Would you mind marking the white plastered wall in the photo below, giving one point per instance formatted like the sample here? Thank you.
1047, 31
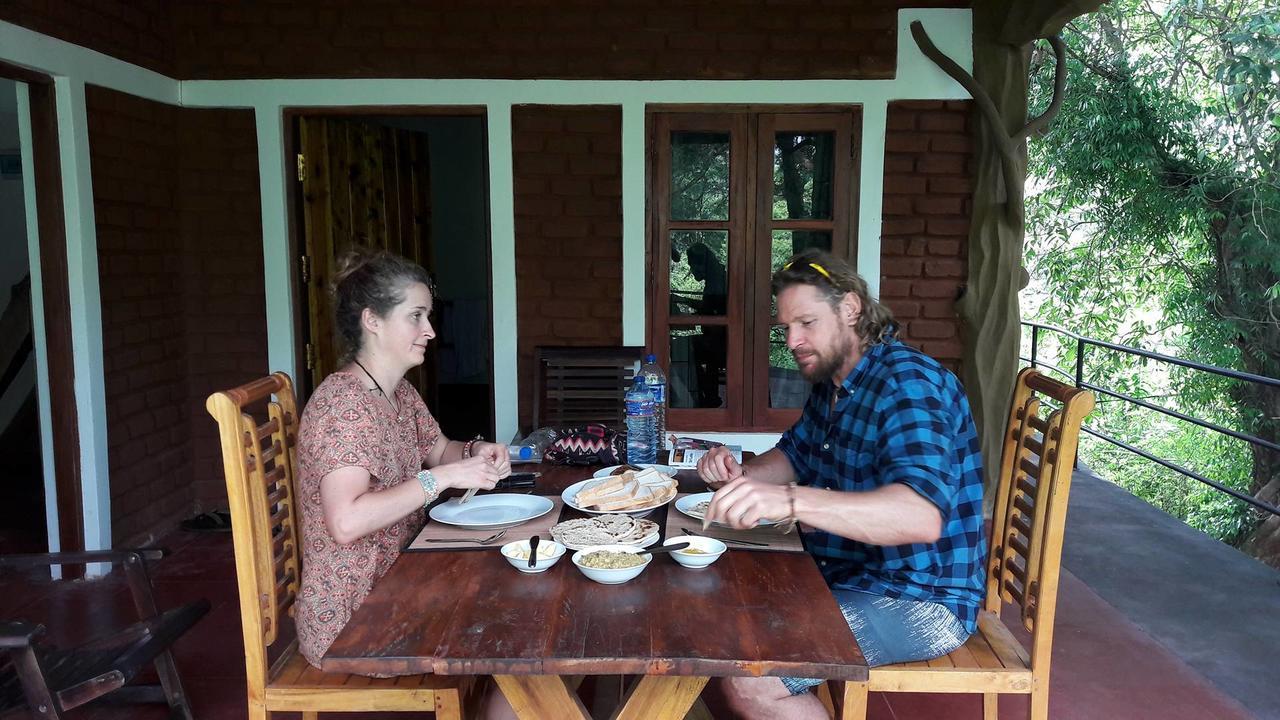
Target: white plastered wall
73, 67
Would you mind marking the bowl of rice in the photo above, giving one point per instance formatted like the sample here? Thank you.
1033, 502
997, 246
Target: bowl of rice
611, 564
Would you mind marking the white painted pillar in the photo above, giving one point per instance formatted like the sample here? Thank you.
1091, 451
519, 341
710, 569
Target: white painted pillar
273, 174
502, 239
634, 272
43, 410
871, 193
86, 310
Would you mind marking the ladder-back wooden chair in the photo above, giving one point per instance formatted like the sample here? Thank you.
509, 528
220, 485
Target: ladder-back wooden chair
1022, 569
579, 385
259, 459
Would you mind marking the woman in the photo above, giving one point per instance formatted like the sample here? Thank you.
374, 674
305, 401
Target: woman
364, 441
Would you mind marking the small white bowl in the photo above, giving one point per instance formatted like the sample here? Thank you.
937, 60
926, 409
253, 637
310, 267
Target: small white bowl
711, 549
612, 577
510, 550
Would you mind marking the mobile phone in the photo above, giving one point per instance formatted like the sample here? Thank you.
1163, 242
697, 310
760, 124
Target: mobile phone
519, 480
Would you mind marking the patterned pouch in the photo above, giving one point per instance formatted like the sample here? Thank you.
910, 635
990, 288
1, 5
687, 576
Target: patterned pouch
588, 445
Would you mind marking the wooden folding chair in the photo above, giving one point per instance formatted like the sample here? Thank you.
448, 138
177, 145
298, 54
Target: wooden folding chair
579, 385
51, 681
1025, 558
259, 459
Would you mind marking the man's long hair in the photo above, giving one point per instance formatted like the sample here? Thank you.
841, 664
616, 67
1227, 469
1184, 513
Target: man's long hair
834, 278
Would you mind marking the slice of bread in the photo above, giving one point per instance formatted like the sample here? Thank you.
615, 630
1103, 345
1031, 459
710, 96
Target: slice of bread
622, 487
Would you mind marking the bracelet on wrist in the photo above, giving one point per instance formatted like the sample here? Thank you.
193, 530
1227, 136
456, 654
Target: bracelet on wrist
430, 490
791, 502
468, 445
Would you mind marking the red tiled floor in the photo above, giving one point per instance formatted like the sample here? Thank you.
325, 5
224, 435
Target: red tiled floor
1104, 665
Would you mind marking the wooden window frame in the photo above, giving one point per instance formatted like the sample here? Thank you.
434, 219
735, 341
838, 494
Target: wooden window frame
748, 319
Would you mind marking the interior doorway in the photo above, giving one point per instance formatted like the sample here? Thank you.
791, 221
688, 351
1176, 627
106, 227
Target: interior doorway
23, 525
416, 185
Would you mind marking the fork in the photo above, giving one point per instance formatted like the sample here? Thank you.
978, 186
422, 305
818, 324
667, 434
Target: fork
482, 541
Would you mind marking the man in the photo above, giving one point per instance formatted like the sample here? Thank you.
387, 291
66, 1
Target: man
883, 464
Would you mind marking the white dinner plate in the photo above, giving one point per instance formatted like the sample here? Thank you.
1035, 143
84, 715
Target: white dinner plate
490, 512
685, 505
664, 469
570, 496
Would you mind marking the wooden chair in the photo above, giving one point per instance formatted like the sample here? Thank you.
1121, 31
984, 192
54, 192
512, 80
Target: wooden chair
259, 459
1022, 569
50, 681
579, 385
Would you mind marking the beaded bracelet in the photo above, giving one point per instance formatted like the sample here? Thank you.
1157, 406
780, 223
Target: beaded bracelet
429, 488
791, 516
466, 447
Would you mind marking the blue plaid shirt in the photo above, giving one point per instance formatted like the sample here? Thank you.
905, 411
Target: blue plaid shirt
899, 417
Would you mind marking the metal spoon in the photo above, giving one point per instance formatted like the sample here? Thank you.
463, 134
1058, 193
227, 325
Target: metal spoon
482, 541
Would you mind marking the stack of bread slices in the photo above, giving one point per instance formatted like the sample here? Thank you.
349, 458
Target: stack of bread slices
631, 490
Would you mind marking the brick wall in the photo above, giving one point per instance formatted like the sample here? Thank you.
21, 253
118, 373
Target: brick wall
541, 38
708, 39
136, 31
568, 207
133, 144
927, 206
224, 303
180, 271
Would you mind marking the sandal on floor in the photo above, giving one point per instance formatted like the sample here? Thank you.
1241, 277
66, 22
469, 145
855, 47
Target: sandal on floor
214, 521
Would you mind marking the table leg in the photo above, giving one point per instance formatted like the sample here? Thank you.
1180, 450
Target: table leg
661, 697
535, 697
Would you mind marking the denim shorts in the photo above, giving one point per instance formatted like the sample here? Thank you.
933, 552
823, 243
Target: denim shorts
893, 630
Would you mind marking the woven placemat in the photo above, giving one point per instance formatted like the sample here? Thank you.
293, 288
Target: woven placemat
771, 535
455, 537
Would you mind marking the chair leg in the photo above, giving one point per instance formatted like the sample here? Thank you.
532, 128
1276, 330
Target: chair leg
179, 705
826, 695
990, 706
1040, 703
448, 705
258, 711
311, 715
855, 701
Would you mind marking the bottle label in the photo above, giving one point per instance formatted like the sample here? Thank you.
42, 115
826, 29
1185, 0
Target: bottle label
639, 408
659, 391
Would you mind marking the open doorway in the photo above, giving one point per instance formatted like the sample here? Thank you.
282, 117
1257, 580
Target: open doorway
23, 526
416, 185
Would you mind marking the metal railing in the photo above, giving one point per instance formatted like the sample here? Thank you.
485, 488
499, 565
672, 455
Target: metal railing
1083, 344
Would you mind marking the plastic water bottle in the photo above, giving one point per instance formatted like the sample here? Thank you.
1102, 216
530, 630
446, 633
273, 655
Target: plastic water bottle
641, 447
530, 449
656, 380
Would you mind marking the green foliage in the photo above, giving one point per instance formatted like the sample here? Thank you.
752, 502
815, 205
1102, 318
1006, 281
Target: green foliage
1153, 219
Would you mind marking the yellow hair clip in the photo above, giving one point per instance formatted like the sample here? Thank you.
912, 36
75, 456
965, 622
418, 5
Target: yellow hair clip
821, 270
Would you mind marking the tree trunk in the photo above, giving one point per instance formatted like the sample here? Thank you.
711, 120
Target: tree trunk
1003, 34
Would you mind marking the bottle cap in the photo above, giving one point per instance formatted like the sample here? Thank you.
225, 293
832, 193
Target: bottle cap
526, 453
650, 358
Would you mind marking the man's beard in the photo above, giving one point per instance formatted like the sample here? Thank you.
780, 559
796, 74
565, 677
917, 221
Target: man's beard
827, 365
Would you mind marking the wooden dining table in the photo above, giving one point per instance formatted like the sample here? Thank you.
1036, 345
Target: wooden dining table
469, 612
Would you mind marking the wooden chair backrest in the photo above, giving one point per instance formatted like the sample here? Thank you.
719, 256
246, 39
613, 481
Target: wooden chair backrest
259, 458
1030, 511
579, 385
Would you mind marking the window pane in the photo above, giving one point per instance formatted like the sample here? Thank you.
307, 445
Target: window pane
787, 243
802, 164
698, 366
787, 388
699, 176
699, 280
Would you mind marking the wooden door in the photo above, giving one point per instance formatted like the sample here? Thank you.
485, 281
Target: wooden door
365, 185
